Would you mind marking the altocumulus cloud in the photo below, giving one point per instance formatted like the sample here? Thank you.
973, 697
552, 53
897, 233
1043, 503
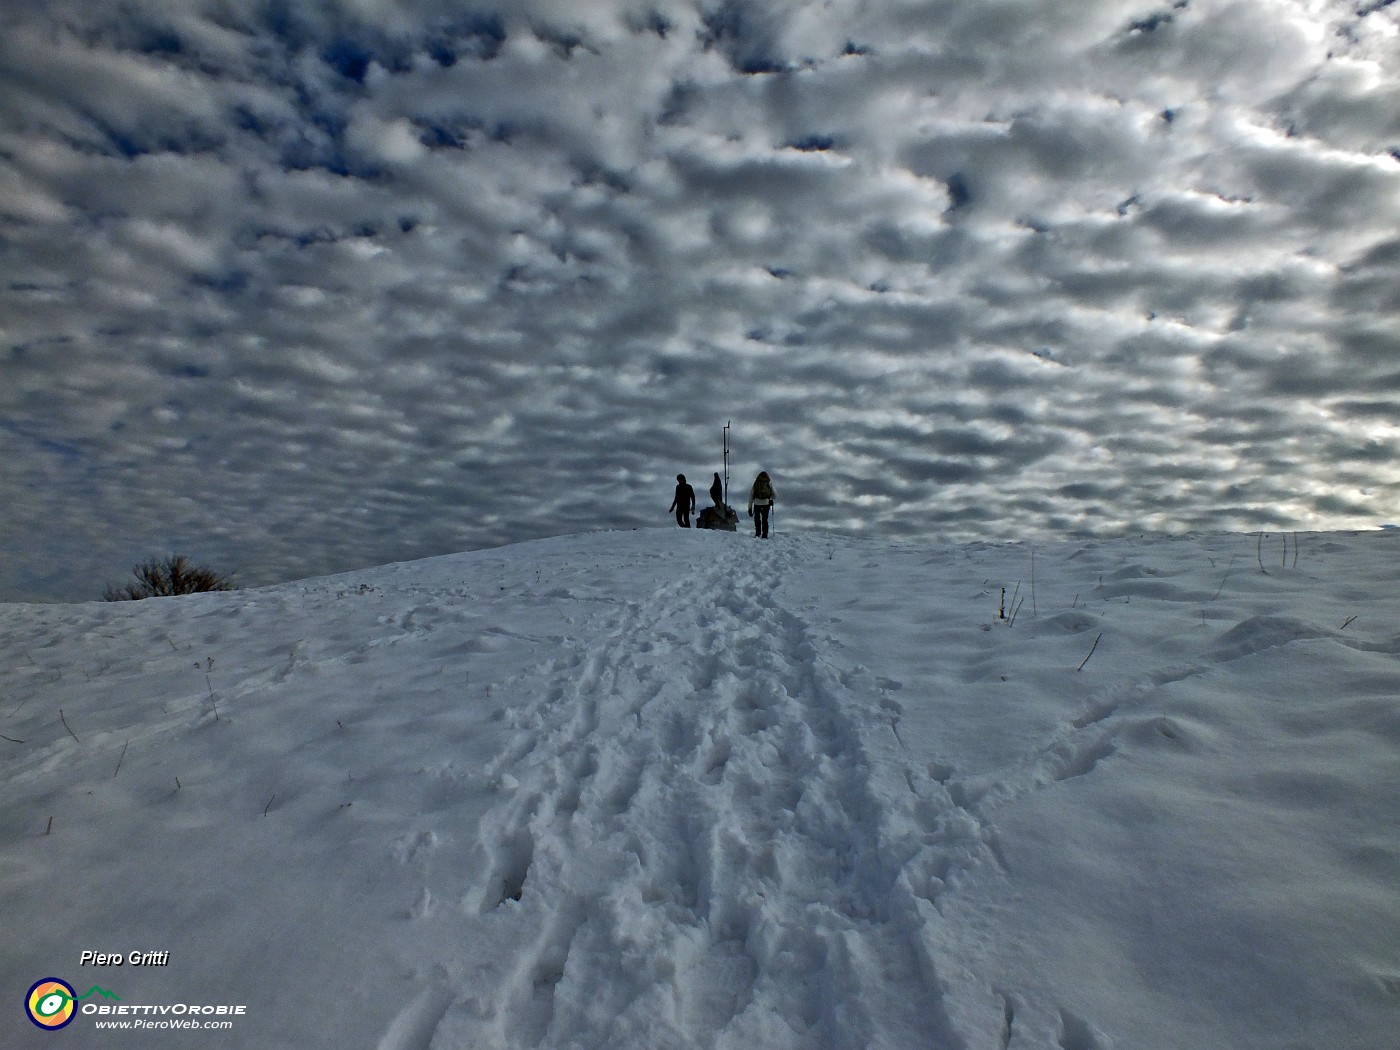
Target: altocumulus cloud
298, 287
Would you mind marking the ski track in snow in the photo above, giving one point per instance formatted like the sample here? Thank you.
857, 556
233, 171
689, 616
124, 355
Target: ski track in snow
702, 783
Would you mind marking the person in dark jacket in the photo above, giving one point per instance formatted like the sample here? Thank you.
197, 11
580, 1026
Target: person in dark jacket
760, 503
684, 502
717, 491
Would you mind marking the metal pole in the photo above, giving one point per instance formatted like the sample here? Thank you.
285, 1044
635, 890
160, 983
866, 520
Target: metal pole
726, 463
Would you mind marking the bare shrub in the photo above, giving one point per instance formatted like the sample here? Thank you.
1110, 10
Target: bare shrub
160, 578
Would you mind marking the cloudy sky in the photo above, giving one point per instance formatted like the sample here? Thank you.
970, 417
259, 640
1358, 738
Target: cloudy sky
294, 287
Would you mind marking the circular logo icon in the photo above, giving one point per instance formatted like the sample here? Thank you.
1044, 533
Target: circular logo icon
50, 1003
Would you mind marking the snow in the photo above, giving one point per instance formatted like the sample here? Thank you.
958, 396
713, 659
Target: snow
667, 788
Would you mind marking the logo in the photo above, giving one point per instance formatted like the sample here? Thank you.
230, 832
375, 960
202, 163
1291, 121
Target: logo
51, 1003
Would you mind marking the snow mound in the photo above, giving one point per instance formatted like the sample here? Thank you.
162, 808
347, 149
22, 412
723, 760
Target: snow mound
662, 788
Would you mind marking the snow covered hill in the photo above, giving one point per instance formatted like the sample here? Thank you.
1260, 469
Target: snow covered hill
662, 789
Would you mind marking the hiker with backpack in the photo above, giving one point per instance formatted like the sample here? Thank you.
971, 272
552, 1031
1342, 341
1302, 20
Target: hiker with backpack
761, 500
684, 502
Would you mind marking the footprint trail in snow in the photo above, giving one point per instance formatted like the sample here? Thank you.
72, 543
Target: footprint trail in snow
695, 799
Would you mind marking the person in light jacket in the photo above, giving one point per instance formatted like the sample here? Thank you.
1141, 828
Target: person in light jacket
761, 503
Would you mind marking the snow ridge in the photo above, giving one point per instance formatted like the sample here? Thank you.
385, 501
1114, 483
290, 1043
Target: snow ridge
689, 790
